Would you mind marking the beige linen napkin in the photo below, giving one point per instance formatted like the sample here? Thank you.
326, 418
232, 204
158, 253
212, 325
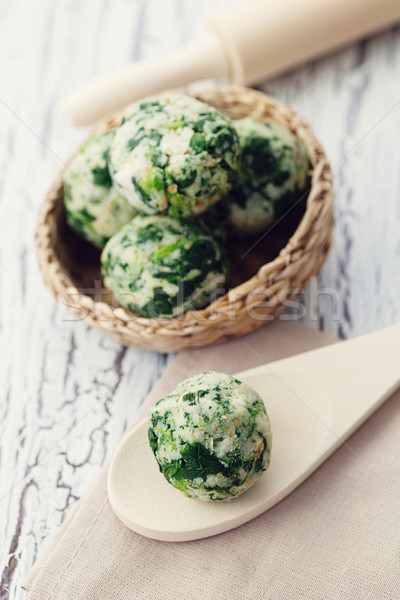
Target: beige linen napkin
336, 537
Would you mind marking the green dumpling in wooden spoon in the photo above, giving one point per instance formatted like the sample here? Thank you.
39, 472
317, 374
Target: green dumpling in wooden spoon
211, 436
315, 401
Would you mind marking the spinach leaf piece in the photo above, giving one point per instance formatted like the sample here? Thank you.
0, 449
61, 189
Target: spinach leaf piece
196, 461
149, 233
153, 440
133, 142
190, 398
198, 143
160, 304
101, 176
145, 196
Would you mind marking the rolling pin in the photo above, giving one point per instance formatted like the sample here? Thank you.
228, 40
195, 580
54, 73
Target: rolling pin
244, 43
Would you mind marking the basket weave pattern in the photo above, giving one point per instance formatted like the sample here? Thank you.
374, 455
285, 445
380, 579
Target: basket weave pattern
252, 303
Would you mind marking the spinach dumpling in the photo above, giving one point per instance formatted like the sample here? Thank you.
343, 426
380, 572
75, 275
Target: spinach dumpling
174, 154
211, 436
273, 169
94, 208
157, 266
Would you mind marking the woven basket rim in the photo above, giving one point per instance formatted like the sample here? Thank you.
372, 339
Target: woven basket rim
61, 284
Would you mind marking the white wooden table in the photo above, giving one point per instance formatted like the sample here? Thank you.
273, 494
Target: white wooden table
67, 392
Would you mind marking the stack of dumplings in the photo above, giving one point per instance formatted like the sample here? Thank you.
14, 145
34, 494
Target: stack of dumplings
161, 193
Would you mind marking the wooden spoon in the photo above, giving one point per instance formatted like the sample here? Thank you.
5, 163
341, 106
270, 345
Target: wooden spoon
315, 401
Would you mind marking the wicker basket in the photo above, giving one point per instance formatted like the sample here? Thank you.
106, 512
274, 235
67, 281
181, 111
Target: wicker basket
266, 274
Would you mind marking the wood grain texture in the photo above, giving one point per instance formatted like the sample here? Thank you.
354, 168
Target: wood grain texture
68, 392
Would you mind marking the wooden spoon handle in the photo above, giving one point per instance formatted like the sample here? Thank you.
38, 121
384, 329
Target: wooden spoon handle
358, 375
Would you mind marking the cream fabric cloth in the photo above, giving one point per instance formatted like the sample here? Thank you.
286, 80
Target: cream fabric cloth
336, 537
